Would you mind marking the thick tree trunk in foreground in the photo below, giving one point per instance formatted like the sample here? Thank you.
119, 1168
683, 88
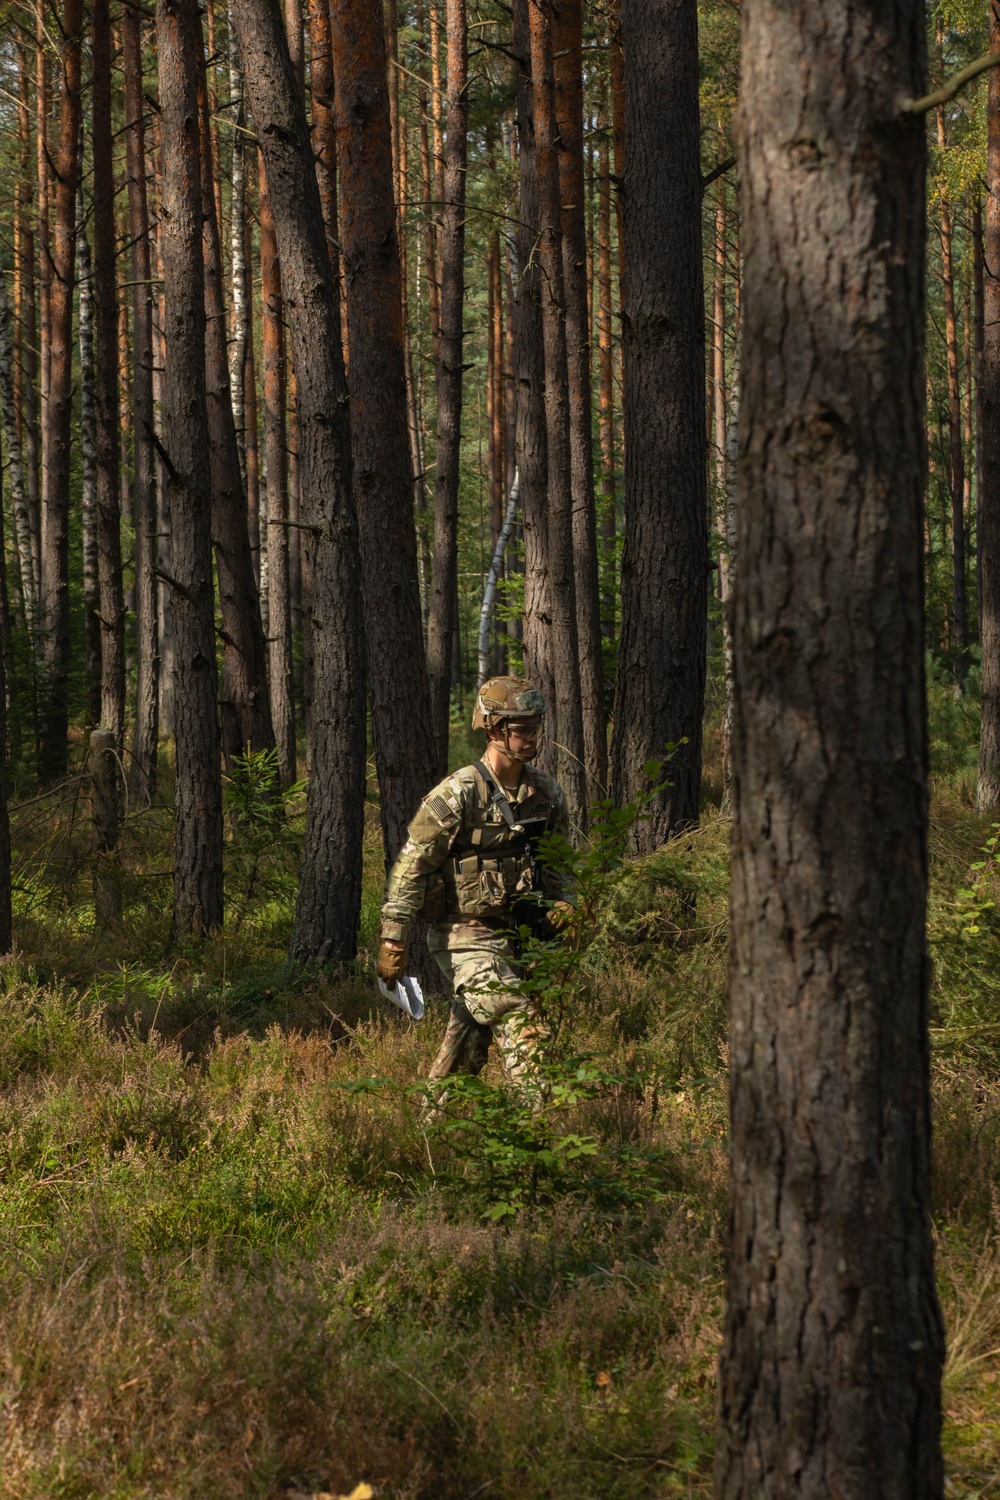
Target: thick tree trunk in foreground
405, 758
567, 40
660, 686
107, 427
329, 900
198, 798
279, 599
57, 418
562, 591
988, 796
142, 770
830, 1375
444, 577
245, 706
530, 447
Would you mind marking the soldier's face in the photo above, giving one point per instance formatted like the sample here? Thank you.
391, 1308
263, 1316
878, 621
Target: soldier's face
523, 737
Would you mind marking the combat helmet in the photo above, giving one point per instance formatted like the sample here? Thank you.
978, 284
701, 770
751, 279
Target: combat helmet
502, 698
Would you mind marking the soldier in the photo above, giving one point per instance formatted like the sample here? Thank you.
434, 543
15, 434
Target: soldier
468, 865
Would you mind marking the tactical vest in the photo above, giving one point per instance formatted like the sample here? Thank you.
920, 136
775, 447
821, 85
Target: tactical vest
493, 865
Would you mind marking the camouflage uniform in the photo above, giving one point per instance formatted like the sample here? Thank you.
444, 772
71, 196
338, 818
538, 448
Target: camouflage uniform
463, 868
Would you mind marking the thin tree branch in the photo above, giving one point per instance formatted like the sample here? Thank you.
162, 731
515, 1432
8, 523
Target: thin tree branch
717, 172
950, 89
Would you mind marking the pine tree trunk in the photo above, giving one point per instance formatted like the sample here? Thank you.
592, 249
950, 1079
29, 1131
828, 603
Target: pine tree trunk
43, 104
20, 505
198, 797
250, 408
444, 575
831, 1364
107, 427
245, 705
6, 921
26, 311
329, 899
956, 478
567, 40
237, 262
660, 685
719, 383
977, 367
405, 757
605, 346
279, 608
988, 793
142, 769
88, 478
530, 446
57, 432
562, 592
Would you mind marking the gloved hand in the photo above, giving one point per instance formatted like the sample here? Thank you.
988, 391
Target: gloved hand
559, 915
391, 962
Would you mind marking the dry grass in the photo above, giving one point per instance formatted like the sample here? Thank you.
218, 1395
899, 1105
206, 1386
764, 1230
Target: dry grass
228, 1275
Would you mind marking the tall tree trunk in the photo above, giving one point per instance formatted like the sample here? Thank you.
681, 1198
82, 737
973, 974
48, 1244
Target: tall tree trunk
444, 577
251, 415
237, 262
57, 434
660, 685
405, 757
26, 309
279, 604
245, 706
88, 478
530, 446
329, 899
605, 347
977, 367
42, 109
431, 208
567, 40
959, 612
109, 540
719, 383
6, 922
20, 504
831, 1365
988, 793
198, 797
324, 126
562, 593
142, 769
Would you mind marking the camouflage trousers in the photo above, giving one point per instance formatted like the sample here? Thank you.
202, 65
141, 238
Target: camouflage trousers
482, 969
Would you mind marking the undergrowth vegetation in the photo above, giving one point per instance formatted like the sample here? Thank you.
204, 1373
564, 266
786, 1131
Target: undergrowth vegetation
239, 1260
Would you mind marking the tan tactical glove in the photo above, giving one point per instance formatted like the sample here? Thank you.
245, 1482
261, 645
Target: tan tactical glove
391, 962
559, 916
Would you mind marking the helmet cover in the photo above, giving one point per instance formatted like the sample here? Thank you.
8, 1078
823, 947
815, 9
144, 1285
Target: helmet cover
506, 698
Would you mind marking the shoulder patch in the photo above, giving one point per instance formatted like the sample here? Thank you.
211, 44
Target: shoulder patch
439, 807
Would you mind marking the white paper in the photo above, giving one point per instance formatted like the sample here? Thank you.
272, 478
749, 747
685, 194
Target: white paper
407, 994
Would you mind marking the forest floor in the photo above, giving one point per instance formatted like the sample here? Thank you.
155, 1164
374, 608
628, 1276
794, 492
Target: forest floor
233, 1267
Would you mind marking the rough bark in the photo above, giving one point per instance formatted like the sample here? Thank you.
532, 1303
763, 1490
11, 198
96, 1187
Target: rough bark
42, 108
105, 812
978, 318
530, 445
279, 605
57, 422
198, 796
405, 758
142, 768
6, 922
562, 590
245, 703
324, 126
567, 41
107, 426
988, 794
444, 574
660, 685
830, 1376
238, 261
329, 898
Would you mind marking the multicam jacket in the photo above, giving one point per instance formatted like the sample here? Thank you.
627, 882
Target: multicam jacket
462, 858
